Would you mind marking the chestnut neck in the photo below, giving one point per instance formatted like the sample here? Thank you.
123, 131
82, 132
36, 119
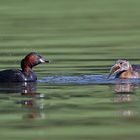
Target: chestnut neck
26, 66
125, 74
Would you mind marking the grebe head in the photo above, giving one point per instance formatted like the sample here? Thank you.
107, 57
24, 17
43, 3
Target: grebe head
31, 60
120, 66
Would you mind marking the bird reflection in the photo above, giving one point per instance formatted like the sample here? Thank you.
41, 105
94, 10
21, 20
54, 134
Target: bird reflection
34, 107
124, 93
22, 87
33, 103
124, 88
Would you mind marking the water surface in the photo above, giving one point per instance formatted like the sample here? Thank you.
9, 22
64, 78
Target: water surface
68, 108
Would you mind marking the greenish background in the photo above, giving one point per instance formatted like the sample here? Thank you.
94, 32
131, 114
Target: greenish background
68, 31
78, 37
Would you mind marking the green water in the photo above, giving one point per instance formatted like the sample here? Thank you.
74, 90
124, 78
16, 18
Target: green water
78, 37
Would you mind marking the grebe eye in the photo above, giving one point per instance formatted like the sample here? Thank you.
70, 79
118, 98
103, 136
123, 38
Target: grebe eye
121, 63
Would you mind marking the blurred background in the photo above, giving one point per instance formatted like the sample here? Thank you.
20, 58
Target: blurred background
75, 35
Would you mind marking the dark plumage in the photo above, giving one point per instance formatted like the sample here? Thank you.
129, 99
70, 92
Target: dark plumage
25, 74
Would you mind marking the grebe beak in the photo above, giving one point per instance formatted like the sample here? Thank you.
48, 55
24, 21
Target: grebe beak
43, 60
46, 61
114, 69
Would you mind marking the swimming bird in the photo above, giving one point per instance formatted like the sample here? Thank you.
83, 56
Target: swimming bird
25, 74
123, 70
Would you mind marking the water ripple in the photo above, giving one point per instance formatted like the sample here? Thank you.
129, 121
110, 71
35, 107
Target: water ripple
85, 79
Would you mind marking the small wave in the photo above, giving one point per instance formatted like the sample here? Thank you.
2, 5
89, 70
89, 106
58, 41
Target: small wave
85, 79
